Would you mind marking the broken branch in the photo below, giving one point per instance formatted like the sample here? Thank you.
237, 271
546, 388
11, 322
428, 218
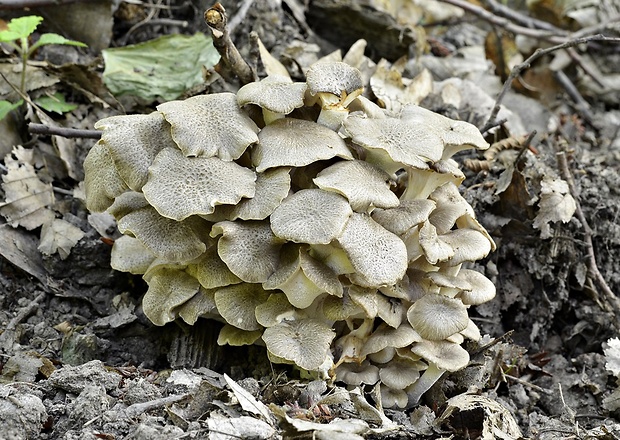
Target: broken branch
64, 132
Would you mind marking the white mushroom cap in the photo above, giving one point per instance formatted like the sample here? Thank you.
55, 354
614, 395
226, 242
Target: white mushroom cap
378, 256
340, 309
385, 336
272, 187
436, 317
133, 142
450, 206
311, 216
392, 397
276, 95
295, 142
249, 249
235, 337
400, 373
336, 78
181, 186
364, 185
302, 278
445, 355
402, 218
211, 271
102, 182
481, 289
353, 373
168, 289
127, 202
453, 247
218, 127
305, 342
237, 304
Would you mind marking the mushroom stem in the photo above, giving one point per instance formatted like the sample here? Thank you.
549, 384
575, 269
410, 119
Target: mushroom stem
332, 118
423, 384
269, 116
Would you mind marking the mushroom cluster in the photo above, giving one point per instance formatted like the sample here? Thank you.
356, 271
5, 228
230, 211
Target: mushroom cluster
306, 218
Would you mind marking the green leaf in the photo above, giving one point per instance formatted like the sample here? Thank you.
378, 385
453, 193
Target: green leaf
162, 69
55, 103
55, 39
6, 107
20, 27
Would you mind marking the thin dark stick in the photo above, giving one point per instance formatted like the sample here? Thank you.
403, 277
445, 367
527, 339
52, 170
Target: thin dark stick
23, 4
611, 299
582, 106
524, 20
524, 147
516, 71
64, 132
216, 19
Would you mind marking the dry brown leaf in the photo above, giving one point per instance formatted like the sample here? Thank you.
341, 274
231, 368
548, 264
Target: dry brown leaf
59, 236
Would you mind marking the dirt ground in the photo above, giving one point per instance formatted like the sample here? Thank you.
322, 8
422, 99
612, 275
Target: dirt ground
80, 360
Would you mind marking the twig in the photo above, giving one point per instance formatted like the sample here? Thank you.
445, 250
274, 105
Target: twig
216, 19
524, 147
240, 15
138, 408
582, 106
554, 36
153, 22
612, 300
522, 19
527, 384
25, 4
64, 132
25, 312
516, 71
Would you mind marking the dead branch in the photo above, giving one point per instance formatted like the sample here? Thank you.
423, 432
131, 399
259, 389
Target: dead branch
216, 19
522, 19
581, 105
24, 4
611, 300
64, 132
138, 408
516, 71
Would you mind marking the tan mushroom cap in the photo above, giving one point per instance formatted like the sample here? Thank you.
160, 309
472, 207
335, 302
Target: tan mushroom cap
181, 186
130, 255
295, 142
127, 202
311, 216
210, 125
211, 271
385, 336
436, 317
102, 182
235, 337
364, 185
305, 342
275, 310
237, 304
400, 373
133, 142
168, 289
353, 373
200, 305
276, 95
249, 249
166, 238
393, 397
450, 206
377, 255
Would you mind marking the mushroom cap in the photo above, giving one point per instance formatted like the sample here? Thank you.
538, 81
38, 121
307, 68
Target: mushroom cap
168, 289
436, 317
336, 78
421, 183
272, 187
407, 143
181, 186
353, 373
468, 245
377, 255
166, 238
393, 397
249, 249
211, 271
201, 304
133, 142
305, 342
237, 304
210, 125
295, 142
400, 373
481, 288
233, 336
450, 206
445, 355
130, 255
302, 278
127, 202
102, 181
276, 309
275, 93
402, 218
385, 336
364, 185
311, 216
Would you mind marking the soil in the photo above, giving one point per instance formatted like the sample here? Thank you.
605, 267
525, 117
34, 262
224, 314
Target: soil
79, 359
